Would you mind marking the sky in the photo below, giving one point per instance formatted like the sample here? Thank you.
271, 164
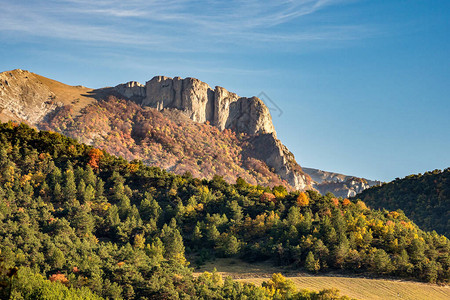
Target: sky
356, 86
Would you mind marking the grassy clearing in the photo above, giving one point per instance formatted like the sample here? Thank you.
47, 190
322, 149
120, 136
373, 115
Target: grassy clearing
359, 288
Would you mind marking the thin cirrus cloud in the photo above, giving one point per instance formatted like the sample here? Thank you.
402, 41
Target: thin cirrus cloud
167, 24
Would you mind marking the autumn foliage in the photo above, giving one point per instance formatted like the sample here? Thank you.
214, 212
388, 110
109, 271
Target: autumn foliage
346, 202
165, 139
94, 158
59, 277
302, 199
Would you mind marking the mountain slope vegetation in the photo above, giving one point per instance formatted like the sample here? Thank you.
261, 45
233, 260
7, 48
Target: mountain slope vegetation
425, 198
94, 226
166, 139
88, 219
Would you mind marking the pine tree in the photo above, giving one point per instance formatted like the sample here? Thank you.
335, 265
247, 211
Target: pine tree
311, 264
70, 188
173, 242
149, 208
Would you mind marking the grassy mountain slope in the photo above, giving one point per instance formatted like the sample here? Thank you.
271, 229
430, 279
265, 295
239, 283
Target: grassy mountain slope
424, 198
25, 96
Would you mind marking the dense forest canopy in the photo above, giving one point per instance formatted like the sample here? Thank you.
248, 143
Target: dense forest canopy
79, 216
425, 198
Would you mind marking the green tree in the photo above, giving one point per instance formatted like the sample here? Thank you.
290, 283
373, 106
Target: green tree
311, 264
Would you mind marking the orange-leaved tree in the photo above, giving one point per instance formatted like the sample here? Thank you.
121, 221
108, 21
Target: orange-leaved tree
94, 158
302, 199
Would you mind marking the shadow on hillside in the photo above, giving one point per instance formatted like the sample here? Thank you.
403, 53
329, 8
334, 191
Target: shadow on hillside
101, 94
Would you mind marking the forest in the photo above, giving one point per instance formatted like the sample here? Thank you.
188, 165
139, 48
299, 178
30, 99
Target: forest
425, 198
77, 221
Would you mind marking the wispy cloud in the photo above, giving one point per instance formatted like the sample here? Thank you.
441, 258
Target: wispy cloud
180, 25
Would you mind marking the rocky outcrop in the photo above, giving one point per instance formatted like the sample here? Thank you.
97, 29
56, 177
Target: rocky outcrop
24, 98
340, 185
192, 96
225, 110
131, 90
29, 97
282, 162
202, 104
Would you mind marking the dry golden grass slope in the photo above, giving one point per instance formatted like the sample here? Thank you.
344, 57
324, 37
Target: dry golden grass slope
29, 97
77, 96
354, 287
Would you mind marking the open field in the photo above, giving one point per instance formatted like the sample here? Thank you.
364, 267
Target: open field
358, 287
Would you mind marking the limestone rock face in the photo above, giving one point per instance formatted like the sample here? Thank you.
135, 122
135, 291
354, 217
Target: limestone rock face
278, 157
222, 101
192, 96
131, 89
225, 110
250, 115
340, 185
24, 98
201, 103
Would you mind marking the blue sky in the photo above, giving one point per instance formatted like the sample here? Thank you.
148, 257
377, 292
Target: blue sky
364, 86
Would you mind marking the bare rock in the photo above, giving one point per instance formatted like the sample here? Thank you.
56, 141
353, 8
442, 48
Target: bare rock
222, 101
278, 157
131, 89
201, 103
338, 184
249, 115
24, 98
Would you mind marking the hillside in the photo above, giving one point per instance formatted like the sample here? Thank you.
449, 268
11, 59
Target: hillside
226, 134
25, 96
110, 225
425, 198
166, 139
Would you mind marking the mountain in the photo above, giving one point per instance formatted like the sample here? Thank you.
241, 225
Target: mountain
425, 198
182, 125
25, 96
340, 185
79, 216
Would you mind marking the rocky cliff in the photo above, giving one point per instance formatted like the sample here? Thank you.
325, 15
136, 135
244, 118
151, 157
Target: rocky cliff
222, 109
201, 103
278, 157
338, 184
